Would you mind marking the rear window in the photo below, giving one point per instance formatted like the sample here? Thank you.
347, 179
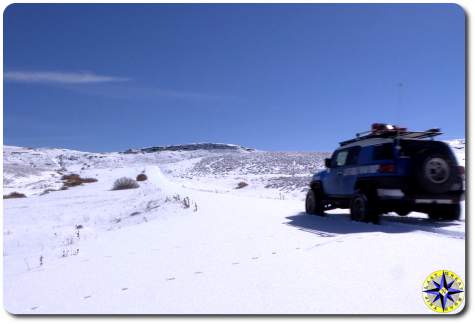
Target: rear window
383, 152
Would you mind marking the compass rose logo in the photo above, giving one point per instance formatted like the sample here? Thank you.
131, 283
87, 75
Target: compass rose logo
443, 291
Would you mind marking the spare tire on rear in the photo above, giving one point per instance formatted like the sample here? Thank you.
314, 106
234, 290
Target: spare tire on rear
435, 170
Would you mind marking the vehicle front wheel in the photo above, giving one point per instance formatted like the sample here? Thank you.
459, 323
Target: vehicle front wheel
313, 203
362, 209
445, 212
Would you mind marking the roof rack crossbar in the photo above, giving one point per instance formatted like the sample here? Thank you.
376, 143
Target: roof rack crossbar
394, 134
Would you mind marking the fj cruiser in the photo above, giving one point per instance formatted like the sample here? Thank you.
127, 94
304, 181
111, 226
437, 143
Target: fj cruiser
389, 169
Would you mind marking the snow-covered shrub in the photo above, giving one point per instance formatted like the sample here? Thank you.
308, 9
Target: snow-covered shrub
141, 177
14, 195
71, 176
88, 180
125, 183
72, 180
241, 184
186, 202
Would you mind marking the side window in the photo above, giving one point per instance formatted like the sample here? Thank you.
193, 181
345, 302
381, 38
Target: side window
353, 154
341, 158
383, 152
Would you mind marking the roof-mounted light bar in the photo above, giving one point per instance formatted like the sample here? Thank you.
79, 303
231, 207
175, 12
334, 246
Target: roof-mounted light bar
381, 130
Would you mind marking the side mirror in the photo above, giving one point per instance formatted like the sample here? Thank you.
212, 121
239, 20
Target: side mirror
328, 163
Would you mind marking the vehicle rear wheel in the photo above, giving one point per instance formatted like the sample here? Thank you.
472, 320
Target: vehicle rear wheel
362, 208
403, 211
313, 203
445, 212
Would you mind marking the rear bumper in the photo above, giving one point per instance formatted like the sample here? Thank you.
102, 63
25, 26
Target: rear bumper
418, 202
443, 198
401, 188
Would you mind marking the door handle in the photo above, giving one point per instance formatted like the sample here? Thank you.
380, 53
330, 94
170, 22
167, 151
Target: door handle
340, 173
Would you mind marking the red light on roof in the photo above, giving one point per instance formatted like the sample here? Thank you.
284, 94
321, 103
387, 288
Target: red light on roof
380, 127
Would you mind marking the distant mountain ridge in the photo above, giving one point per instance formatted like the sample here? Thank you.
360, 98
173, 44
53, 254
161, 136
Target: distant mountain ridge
190, 147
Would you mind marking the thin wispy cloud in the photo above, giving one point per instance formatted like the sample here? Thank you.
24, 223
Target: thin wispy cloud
107, 86
60, 77
135, 91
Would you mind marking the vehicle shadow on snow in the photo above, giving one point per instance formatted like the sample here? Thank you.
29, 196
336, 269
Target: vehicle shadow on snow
336, 224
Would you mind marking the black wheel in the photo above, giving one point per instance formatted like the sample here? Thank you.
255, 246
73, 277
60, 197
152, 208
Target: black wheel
436, 172
403, 211
445, 212
313, 203
362, 208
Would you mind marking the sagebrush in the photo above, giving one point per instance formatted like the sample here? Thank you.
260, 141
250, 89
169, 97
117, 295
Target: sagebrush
72, 180
14, 195
125, 183
241, 184
141, 177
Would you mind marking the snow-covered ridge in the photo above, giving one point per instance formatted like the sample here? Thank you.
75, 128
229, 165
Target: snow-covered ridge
191, 147
457, 143
458, 147
34, 170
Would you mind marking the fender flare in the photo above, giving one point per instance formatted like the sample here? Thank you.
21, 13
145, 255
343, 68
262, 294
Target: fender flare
317, 185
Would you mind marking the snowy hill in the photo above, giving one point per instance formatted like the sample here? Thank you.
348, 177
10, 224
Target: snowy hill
458, 147
191, 147
34, 171
189, 241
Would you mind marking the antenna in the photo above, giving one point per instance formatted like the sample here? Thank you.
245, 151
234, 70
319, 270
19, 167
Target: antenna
398, 112
399, 107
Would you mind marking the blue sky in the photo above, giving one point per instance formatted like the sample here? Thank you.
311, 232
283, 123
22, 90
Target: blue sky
274, 77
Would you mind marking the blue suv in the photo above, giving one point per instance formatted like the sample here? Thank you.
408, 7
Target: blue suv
389, 169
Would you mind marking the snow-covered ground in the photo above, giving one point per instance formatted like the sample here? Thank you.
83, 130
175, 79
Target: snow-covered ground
187, 241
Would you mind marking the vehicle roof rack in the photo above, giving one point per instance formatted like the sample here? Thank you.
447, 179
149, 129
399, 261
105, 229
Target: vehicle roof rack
390, 131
